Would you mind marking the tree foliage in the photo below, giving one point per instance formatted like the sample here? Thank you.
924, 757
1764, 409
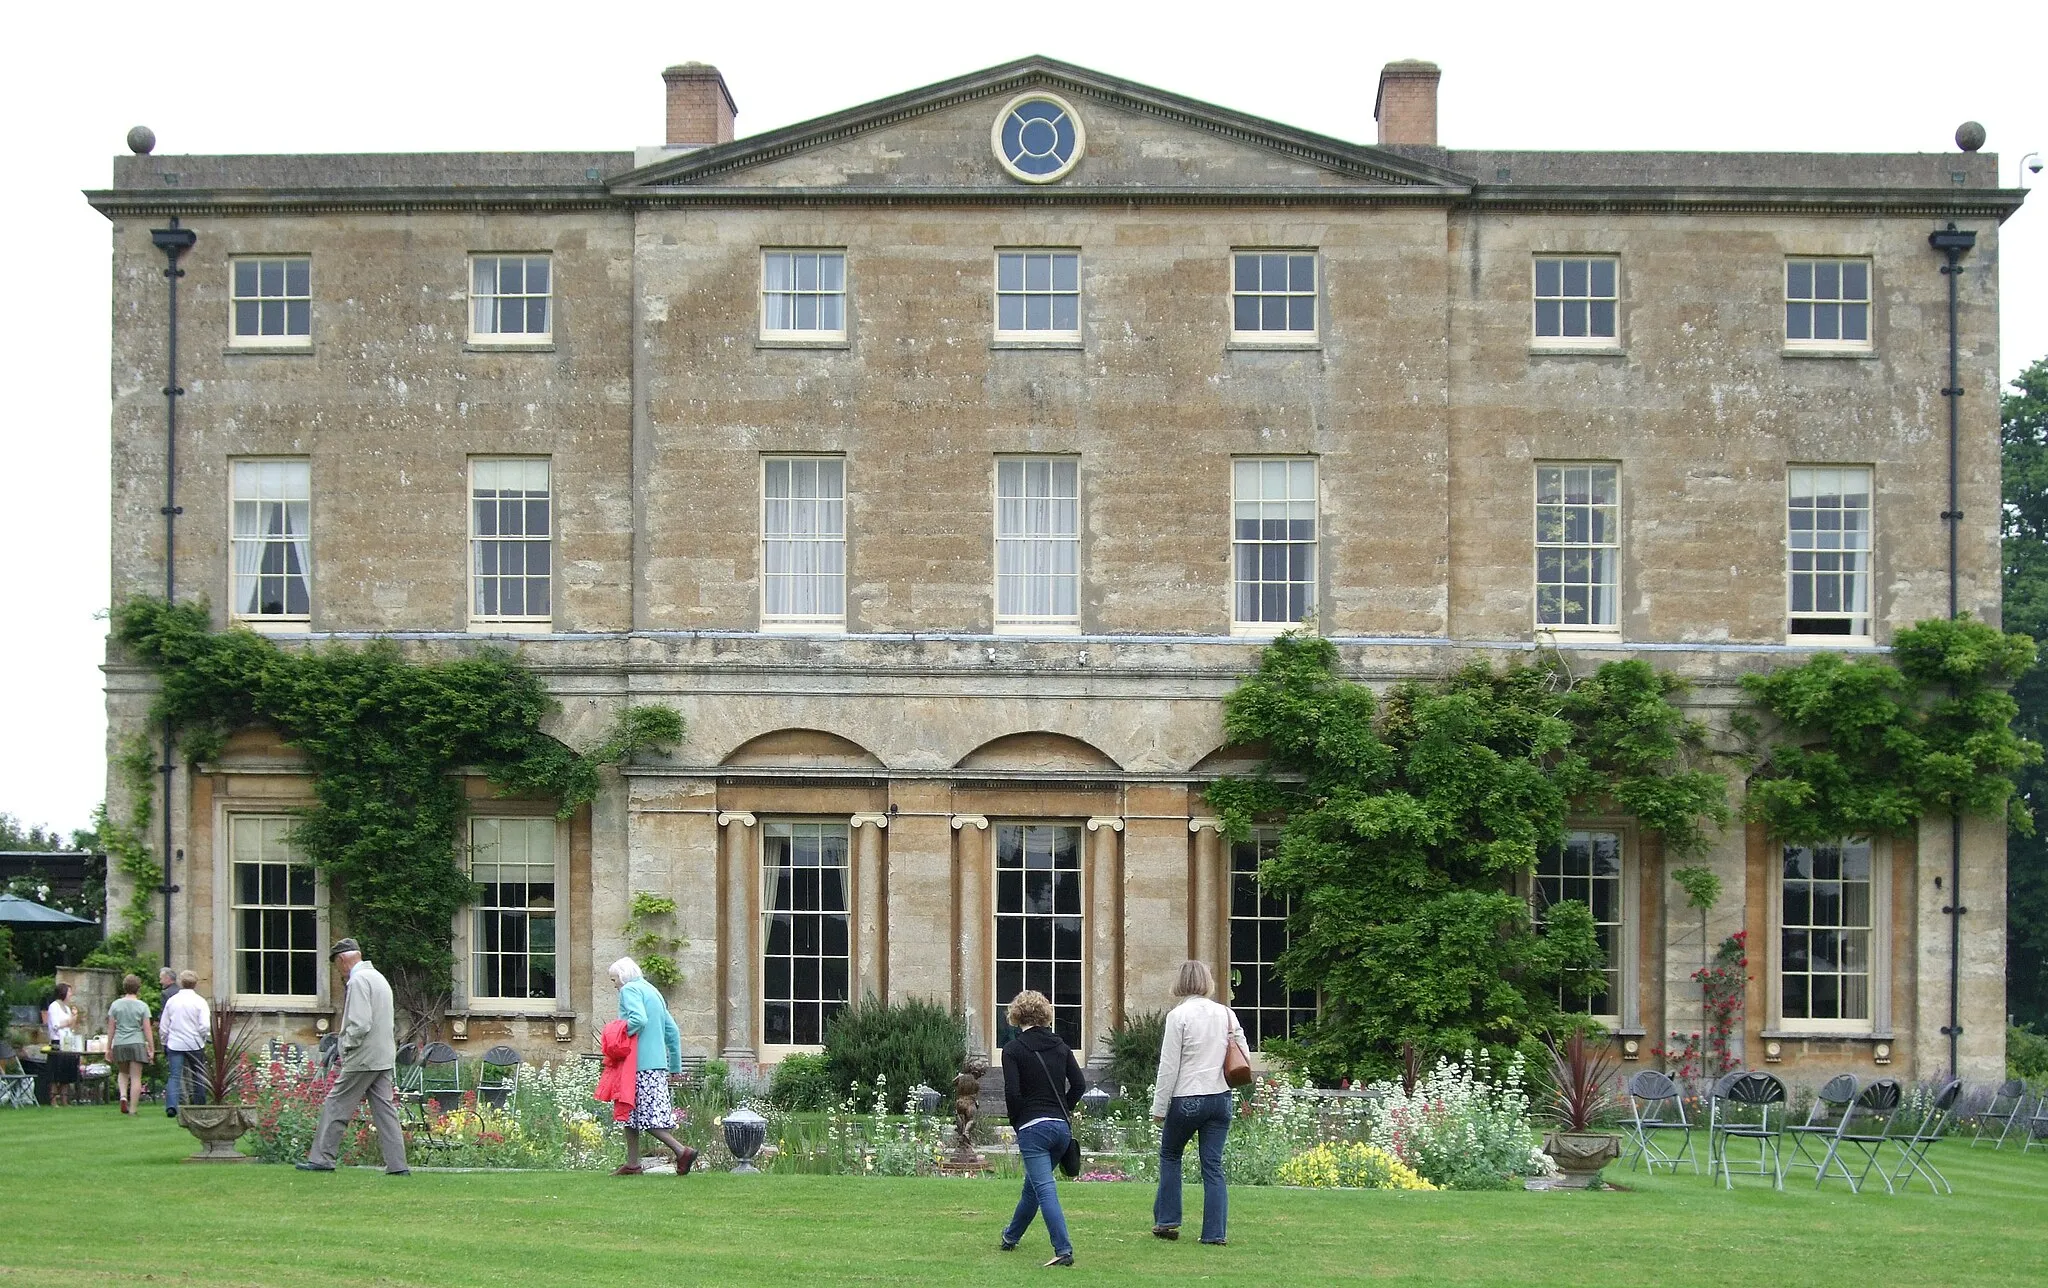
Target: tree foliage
385, 736
1409, 823
2024, 417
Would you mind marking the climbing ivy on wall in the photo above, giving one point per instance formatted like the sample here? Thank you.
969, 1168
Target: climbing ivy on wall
386, 737
1868, 746
1408, 821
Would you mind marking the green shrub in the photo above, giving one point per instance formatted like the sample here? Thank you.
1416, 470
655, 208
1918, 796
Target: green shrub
893, 1046
2026, 1053
1134, 1051
803, 1083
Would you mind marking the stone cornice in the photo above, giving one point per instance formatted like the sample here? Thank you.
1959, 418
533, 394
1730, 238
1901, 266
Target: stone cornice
161, 203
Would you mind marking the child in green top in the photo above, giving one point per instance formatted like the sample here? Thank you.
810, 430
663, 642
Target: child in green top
131, 1041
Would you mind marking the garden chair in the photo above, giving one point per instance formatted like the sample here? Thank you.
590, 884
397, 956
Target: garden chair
1747, 1106
1657, 1104
1865, 1127
441, 1075
2008, 1109
407, 1073
1814, 1139
1929, 1121
2037, 1126
497, 1076
17, 1085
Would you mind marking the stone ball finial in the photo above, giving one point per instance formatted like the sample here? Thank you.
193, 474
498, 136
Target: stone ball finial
142, 140
1969, 136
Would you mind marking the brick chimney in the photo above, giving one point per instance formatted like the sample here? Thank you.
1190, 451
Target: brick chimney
1406, 107
700, 107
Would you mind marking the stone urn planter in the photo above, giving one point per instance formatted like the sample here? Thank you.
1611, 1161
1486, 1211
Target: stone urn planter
217, 1128
1580, 1155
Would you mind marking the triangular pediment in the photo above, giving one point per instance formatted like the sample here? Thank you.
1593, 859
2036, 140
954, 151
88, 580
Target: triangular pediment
941, 139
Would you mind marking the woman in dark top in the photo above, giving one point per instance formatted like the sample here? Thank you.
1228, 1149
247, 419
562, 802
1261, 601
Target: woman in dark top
1041, 1085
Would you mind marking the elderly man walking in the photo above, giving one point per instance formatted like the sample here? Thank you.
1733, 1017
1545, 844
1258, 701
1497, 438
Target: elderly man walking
369, 1051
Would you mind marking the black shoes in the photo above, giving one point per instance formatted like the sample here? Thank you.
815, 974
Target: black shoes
1217, 1243
1064, 1259
402, 1171
305, 1166
1004, 1245
1167, 1232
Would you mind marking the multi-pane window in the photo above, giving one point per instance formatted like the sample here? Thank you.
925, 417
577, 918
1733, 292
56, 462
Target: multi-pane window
512, 955
1578, 545
1038, 541
272, 511
1587, 869
1575, 298
805, 957
803, 294
1265, 1006
272, 300
1038, 922
1273, 540
1827, 301
510, 527
510, 297
1273, 295
803, 541
1038, 293
1825, 927
277, 920
1827, 538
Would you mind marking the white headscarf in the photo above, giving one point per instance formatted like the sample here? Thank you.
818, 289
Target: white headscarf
626, 969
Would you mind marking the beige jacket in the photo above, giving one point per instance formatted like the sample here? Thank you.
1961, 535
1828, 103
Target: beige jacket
1191, 1056
369, 1040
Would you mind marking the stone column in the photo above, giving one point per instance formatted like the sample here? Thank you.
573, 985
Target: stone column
1105, 886
867, 904
972, 995
1211, 911
918, 903
739, 887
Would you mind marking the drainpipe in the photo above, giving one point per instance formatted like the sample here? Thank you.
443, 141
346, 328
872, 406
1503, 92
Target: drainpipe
1954, 244
173, 242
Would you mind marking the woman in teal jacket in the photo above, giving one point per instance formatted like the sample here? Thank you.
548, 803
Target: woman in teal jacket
660, 1054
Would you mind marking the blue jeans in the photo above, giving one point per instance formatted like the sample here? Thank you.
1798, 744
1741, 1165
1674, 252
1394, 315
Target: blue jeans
1185, 1117
1041, 1146
187, 1079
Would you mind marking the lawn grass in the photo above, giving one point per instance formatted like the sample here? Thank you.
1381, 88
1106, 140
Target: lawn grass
89, 1197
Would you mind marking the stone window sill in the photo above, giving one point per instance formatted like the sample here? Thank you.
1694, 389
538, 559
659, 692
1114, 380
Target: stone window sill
1808, 1035
1544, 349
784, 342
268, 350
486, 346
1825, 351
1055, 346
1273, 346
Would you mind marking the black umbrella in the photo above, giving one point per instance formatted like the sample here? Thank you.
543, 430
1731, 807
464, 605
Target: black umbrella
22, 911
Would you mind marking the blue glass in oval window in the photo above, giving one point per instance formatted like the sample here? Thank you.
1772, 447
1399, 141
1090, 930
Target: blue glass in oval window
1040, 139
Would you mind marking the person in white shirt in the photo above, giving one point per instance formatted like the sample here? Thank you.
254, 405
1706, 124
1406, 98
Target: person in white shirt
60, 1021
1191, 1100
187, 1021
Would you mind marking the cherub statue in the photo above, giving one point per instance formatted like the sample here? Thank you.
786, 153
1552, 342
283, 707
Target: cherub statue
966, 1097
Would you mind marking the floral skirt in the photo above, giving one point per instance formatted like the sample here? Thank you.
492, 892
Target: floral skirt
652, 1107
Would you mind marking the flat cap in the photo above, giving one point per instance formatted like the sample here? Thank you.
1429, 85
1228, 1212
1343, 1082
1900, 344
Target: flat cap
343, 946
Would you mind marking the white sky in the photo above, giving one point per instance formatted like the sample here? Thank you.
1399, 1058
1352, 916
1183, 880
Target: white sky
380, 77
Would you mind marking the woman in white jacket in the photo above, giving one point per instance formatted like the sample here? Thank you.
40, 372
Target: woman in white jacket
1191, 1100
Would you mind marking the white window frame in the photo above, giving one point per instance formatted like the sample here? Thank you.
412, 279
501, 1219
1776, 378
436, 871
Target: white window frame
1038, 623
1865, 578
998, 1001
237, 339
1029, 334
1626, 994
817, 292
1263, 840
1879, 1021
1537, 299
1868, 301
1287, 504
511, 339
824, 545
845, 831
1589, 629
230, 823
1287, 293
502, 622
468, 941
258, 544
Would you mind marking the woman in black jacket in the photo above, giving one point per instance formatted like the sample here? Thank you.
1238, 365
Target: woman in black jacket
1041, 1085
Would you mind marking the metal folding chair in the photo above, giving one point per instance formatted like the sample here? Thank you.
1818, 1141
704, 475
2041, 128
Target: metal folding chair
17, 1085
1657, 1104
1747, 1106
2037, 1126
1930, 1118
407, 1073
1865, 1127
1814, 1139
441, 1075
497, 1076
2007, 1110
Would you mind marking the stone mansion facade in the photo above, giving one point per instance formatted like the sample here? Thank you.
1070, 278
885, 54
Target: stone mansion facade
946, 460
